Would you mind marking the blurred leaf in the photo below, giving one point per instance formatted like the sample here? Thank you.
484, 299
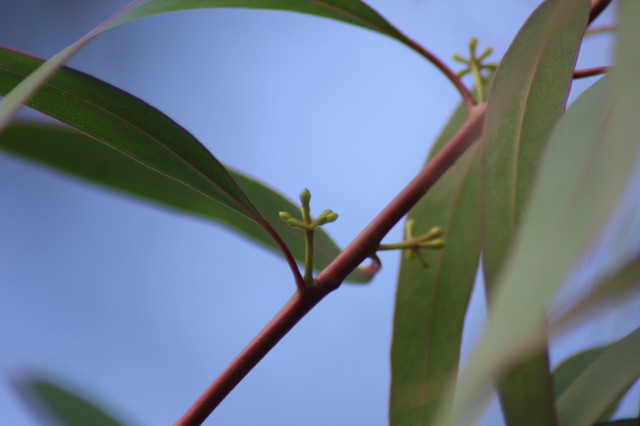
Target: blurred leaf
604, 381
350, 11
616, 285
585, 169
431, 302
622, 422
150, 144
60, 406
570, 370
71, 152
526, 99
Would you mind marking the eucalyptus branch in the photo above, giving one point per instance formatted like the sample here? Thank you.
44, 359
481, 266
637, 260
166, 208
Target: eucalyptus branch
597, 7
589, 72
362, 247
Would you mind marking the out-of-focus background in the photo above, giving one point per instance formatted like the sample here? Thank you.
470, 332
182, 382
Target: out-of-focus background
140, 308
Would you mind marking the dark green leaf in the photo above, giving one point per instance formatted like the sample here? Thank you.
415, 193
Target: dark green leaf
61, 406
570, 370
150, 144
78, 155
622, 422
526, 99
431, 302
604, 381
350, 11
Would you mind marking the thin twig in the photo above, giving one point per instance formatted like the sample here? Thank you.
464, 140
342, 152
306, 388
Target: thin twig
291, 261
597, 7
331, 277
589, 72
467, 97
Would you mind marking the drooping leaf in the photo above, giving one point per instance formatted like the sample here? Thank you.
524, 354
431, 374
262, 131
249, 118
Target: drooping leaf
604, 381
586, 166
431, 302
565, 374
78, 155
350, 11
59, 405
526, 99
149, 143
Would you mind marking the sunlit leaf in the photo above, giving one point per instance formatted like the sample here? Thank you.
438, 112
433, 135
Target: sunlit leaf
589, 160
350, 11
526, 99
431, 302
59, 405
605, 380
148, 143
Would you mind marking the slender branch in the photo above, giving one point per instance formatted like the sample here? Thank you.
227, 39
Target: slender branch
331, 277
589, 72
368, 240
296, 308
597, 7
467, 97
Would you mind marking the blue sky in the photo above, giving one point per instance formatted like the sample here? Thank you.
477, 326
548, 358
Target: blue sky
142, 307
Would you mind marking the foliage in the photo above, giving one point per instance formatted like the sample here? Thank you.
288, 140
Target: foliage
520, 185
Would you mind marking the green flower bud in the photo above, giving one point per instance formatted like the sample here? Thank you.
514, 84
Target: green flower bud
305, 197
285, 216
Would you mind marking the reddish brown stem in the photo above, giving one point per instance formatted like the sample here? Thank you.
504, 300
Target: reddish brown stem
467, 97
597, 7
331, 277
296, 308
589, 72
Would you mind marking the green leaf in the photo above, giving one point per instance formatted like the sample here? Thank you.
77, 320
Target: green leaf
431, 302
76, 154
62, 406
585, 169
526, 99
572, 368
604, 381
147, 143
350, 11
621, 422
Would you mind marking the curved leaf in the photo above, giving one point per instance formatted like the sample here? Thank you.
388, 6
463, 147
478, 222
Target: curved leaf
585, 169
570, 370
350, 11
171, 165
431, 302
62, 406
526, 99
604, 381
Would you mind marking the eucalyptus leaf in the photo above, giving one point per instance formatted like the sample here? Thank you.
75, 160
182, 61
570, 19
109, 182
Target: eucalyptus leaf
585, 169
570, 370
61, 406
137, 140
526, 99
603, 382
431, 302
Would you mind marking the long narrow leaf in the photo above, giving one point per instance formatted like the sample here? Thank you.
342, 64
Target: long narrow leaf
76, 154
58, 405
585, 169
431, 302
570, 370
526, 99
350, 11
145, 137
605, 380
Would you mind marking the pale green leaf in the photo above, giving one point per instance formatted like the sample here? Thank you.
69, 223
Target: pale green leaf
526, 99
604, 381
585, 169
